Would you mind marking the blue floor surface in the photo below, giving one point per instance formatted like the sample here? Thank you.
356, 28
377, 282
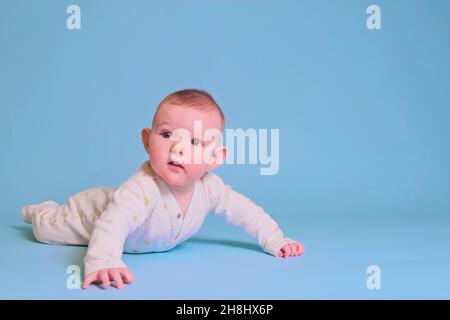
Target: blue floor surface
221, 262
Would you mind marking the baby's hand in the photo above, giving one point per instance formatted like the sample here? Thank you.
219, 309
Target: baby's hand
291, 249
105, 276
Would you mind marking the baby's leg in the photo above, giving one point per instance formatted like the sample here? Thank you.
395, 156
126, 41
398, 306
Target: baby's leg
71, 223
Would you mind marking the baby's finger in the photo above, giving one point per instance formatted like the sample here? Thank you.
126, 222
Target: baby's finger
293, 249
104, 278
296, 249
89, 279
114, 274
287, 251
301, 249
126, 275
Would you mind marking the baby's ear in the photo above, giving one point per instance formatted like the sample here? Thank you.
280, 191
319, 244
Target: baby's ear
145, 135
220, 154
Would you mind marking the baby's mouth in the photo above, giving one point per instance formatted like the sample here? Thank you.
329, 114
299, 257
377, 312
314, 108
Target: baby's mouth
175, 164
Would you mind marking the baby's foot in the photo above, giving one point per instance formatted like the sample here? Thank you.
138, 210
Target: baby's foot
29, 211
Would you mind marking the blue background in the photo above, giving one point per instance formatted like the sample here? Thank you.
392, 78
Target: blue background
364, 139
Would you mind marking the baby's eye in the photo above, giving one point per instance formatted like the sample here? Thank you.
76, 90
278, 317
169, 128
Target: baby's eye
166, 134
196, 142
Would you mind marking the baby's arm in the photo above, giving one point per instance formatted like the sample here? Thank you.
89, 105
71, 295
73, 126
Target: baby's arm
124, 214
241, 211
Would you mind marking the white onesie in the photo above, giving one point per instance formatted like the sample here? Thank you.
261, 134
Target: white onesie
142, 215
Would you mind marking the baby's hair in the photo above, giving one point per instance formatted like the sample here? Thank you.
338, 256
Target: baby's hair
193, 98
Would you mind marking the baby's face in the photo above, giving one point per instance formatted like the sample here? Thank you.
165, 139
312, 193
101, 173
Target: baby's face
183, 142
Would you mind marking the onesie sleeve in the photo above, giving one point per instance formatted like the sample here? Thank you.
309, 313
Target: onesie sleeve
240, 211
128, 208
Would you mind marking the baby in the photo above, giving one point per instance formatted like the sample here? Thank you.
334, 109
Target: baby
162, 204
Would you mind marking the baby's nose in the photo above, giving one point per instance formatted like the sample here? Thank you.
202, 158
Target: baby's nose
177, 147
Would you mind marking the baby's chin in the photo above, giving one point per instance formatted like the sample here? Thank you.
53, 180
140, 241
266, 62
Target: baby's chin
176, 179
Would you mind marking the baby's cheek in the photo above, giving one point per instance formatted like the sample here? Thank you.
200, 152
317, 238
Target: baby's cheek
196, 171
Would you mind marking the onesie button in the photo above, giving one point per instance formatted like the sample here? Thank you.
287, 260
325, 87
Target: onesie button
179, 216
